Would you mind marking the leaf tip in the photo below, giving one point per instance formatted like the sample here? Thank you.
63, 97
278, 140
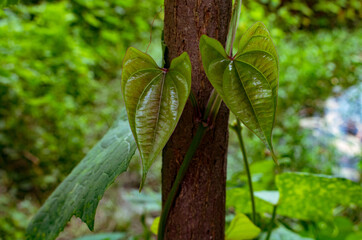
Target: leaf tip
144, 175
203, 39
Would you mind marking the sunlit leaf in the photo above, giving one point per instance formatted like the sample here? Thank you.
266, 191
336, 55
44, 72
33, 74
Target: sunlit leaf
241, 228
154, 99
248, 81
239, 200
154, 226
311, 197
301, 195
6, 3
81, 191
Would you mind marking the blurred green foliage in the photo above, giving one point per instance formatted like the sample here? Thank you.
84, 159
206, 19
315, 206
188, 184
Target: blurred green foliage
47, 89
60, 63
55, 59
59, 87
5, 3
291, 15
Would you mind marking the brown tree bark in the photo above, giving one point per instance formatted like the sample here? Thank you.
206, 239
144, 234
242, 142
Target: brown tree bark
199, 209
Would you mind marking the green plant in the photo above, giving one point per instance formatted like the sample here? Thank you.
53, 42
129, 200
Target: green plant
6, 3
52, 80
256, 107
160, 99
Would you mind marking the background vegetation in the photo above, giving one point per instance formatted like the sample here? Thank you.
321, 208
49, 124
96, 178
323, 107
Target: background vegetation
60, 66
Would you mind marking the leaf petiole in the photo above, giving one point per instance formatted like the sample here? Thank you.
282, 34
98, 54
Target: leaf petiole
272, 222
238, 130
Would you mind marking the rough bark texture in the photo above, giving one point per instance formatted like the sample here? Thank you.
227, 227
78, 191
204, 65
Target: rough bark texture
199, 209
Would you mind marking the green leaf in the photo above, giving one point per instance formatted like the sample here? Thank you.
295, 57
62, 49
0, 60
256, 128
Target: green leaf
241, 228
313, 197
301, 195
154, 226
354, 236
82, 189
282, 233
247, 82
6, 3
239, 200
271, 197
154, 99
104, 236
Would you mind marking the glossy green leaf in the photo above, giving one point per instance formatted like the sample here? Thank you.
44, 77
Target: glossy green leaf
241, 228
6, 3
82, 189
154, 99
247, 82
312, 197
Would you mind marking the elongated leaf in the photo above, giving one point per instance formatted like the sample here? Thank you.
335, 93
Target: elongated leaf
6, 3
248, 82
154, 99
241, 228
312, 197
81, 191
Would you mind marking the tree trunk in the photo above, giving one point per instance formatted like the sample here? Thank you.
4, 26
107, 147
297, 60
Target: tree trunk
199, 209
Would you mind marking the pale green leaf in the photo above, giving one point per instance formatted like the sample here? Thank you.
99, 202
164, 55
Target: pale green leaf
271, 197
312, 197
239, 200
248, 81
154, 226
154, 99
241, 228
82, 189
104, 236
282, 233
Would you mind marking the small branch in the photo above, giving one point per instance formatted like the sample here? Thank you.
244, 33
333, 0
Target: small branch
233, 25
238, 130
195, 105
179, 178
212, 108
271, 222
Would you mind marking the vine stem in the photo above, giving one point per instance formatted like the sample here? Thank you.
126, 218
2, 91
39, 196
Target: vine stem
196, 140
271, 222
233, 25
210, 114
238, 130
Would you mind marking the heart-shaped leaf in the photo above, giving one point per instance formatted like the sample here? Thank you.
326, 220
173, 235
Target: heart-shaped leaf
241, 228
247, 82
154, 99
